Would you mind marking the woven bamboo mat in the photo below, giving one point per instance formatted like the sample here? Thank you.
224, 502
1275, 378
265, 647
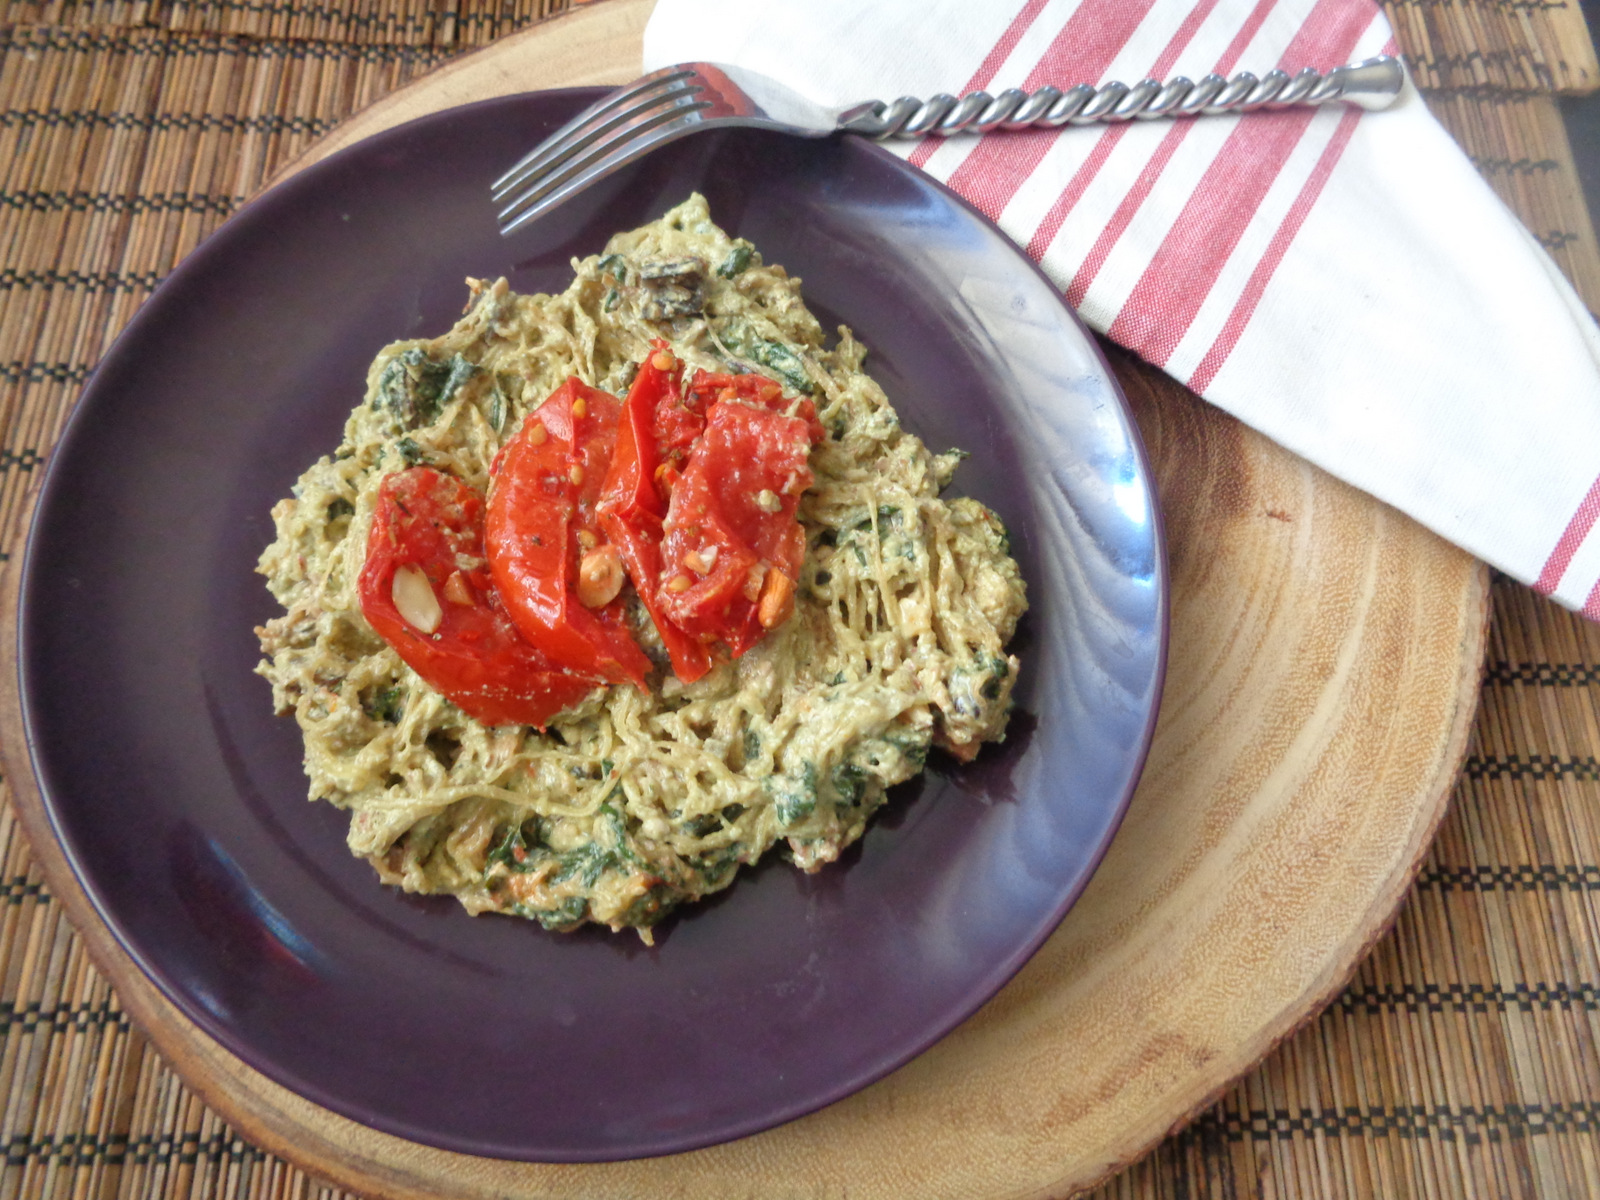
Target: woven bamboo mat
1463, 1059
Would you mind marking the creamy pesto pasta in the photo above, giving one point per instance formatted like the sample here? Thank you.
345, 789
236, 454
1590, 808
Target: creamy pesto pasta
633, 801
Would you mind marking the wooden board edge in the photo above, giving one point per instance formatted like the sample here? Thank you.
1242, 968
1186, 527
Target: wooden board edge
1381, 914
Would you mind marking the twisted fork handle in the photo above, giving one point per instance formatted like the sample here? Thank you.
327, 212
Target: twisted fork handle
1371, 84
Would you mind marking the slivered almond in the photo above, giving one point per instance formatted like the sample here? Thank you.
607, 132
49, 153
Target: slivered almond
753, 581
777, 599
702, 560
414, 599
457, 590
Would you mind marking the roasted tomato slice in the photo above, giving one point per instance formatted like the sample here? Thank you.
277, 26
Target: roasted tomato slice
544, 539
426, 590
632, 503
731, 547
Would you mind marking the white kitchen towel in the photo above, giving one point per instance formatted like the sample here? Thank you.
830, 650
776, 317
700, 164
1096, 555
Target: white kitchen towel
1343, 282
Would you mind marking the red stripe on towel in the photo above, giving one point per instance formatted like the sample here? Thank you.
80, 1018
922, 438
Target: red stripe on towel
1185, 267
984, 75
1567, 545
1084, 49
1101, 250
1244, 308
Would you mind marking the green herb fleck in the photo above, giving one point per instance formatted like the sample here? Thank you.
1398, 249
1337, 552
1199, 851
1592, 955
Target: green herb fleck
739, 337
737, 261
415, 388
794, 799
384, 705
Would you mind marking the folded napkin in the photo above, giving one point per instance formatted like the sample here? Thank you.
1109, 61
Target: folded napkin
1343, 282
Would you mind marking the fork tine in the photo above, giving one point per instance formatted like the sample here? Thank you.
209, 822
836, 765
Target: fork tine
658, 88
599, 160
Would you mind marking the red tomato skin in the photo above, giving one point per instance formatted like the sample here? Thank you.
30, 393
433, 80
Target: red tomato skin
476, 658
631, 507
537, 508
747, 449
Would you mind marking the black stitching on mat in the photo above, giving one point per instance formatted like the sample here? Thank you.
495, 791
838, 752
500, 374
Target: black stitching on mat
1524, 877
43, 372
18, 890
270, 123
1532, 766
22, 460
67, 1018
12, 279
336, 17
83, 1150
1496, 95
1542, 674
193, 45
198, 202
1509, 166
1471, 997
1446, 1123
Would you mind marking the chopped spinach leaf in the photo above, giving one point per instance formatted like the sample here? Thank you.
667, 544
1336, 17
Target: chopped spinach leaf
888, 514
513, 850
415, 388
744, 341
384, 705
565, 915
737, 261
849, 783
703, 825
794, 799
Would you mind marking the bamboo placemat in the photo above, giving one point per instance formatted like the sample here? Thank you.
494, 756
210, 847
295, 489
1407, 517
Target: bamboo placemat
1461, 1061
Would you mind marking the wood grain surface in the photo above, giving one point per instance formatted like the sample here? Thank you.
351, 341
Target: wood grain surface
1323, 674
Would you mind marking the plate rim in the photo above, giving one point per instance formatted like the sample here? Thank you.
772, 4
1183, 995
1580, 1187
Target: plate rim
22, 579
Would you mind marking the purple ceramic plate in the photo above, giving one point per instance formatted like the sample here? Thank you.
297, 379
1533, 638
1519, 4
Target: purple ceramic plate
179, 797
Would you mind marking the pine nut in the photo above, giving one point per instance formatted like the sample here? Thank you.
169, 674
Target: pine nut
600, 577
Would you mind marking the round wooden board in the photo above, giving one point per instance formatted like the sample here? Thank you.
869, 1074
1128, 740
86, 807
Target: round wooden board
1324, 670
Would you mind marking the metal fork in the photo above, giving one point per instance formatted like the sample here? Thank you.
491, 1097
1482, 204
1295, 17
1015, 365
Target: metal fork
674, 101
